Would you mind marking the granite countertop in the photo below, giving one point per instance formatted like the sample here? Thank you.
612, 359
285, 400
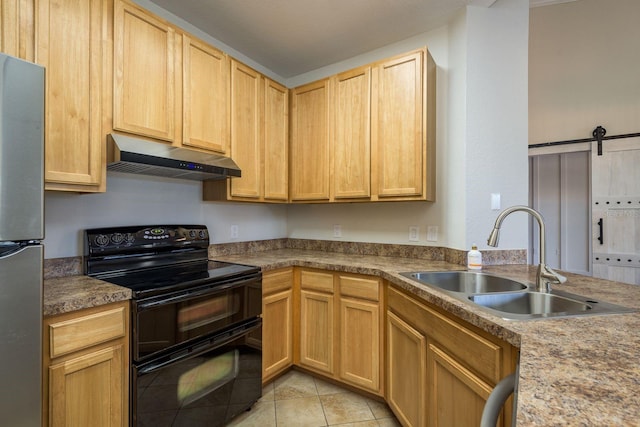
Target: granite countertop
71, 293
573, 371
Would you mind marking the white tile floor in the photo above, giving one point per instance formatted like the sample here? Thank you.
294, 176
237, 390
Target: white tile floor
300, 400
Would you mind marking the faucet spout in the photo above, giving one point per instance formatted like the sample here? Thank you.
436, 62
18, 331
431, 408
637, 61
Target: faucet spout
545, 275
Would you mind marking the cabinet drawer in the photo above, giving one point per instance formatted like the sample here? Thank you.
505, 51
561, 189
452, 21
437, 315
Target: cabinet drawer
359, 287
278, 280
86, 331
322, 282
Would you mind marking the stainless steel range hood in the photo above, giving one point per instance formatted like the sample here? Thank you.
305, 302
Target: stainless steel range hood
132, 155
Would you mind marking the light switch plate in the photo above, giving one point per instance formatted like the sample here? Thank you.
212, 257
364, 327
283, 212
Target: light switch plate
495, 201
337, 230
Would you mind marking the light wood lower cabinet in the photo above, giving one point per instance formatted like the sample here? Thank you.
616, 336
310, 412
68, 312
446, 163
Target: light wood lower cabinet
317, 321
460, 364
340, 327
85, 367
406, 372
277, 327
360, 339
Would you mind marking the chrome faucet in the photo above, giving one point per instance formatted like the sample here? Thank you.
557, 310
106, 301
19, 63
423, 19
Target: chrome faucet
545, 275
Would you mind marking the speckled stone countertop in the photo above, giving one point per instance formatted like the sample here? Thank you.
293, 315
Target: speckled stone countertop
573, 371
65, 294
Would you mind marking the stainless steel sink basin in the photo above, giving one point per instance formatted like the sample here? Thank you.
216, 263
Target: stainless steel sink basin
510, 299
532, 305
468, 282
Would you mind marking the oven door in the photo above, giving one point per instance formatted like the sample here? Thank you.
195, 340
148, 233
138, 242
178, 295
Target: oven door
206, 384
164, 322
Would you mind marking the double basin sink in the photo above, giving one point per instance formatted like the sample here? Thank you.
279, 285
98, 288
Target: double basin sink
510, 299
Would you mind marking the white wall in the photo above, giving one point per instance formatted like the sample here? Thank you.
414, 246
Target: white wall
497, 120
584, 67
142, 200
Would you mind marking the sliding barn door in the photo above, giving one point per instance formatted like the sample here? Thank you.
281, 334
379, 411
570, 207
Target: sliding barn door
615, 210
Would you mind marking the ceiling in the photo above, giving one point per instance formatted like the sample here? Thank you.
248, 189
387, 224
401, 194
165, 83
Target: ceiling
291, 37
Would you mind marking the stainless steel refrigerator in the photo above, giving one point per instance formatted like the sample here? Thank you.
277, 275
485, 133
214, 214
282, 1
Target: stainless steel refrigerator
21, 233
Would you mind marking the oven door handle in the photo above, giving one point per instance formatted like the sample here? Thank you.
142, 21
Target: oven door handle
200, 348
193, 294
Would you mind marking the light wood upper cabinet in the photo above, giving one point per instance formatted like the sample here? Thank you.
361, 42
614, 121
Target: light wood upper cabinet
398, 134
259, 140
310, 143
351, 134
381, 124
145, 78
70, 38
205, 117
276, 141
246, 136
16, 28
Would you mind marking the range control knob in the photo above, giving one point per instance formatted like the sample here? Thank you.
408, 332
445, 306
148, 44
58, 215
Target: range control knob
102, 240
129, 238
192, 234
117, 238
202, 234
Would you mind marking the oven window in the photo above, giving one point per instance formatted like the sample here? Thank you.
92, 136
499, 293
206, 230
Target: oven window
174, 322
208, 390
201, 314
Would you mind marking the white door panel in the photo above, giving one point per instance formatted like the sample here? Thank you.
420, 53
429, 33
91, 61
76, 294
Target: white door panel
616, 210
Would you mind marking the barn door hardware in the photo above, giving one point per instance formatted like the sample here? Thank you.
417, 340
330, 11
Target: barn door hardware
598, 135
601, 233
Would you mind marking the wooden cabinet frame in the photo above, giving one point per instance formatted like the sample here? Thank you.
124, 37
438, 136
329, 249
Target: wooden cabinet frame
86, 367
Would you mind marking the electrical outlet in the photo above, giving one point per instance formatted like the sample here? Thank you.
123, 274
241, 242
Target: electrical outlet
234, 231
414, 233
432, 233
337, 230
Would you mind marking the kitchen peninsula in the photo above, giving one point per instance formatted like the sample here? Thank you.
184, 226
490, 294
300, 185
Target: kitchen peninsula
580, 370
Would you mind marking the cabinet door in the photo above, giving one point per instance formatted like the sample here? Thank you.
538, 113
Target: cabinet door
87, 390
276, 141
406, 372
16, 28
360, 343
316, 330
397, 131
145, 81
69, 37
351, 135
205, 117
310, 144
456, 396
277, 348
246, 140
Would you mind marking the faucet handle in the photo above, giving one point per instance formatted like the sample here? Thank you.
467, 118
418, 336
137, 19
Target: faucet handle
552, 276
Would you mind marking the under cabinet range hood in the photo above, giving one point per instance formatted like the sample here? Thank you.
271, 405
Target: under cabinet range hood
132, 155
